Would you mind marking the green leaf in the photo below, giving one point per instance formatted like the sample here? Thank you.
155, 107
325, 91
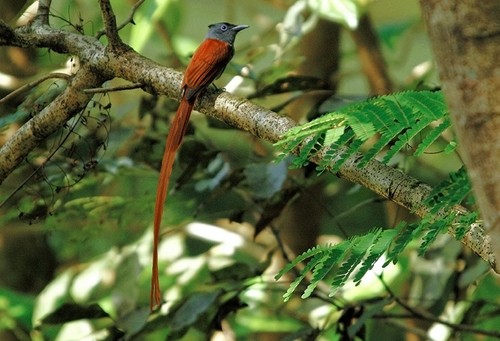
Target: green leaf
265, 179
308, 254
71, 312
190, 310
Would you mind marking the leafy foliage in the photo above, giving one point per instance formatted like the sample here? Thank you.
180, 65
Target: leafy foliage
444, 213
345, 258
398, 120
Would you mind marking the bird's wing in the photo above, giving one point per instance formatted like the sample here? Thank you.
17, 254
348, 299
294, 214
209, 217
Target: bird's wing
207, 64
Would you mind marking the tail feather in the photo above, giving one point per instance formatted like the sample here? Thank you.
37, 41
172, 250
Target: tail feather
174, 139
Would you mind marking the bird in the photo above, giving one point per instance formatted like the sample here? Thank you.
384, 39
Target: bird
207, 64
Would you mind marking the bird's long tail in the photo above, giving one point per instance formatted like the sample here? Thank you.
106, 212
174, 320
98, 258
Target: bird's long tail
174, 139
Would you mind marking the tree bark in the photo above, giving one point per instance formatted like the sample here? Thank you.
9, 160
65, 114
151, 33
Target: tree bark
465, 37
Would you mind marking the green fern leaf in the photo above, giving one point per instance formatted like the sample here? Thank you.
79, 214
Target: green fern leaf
328, 158
306, 151
391, 119
360, 122
317, 126
378, 248
429, 104
432, 136
376, 149
333, 135
404, 139
449, 193
433, 230
333, 257
442, 215
360, 245
396, 119
300, 277
464, 224
305, 255
406, 233
353, 149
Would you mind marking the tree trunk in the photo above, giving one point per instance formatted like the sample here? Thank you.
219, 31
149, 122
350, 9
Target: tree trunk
465, 37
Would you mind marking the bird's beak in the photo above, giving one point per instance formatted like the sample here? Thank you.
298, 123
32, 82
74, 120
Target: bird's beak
239, 28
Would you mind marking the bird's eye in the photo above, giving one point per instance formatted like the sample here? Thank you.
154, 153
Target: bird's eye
223, 27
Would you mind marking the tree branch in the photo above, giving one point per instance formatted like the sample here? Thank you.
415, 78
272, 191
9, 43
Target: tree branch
49, 120
109, 20
129, 19
42, 13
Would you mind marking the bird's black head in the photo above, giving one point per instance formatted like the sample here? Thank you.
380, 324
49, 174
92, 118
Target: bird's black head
224, 31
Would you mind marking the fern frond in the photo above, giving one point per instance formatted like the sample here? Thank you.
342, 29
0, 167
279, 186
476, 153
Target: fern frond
361, 245
359, 252
430, 103
340, 158
320, 126
433, 230
449, 193
396, 121
315, 253
299, 259
405, 234
464, 223
403, 140
441, 203
432, 136
307, 150
377, 249
312, 263
333, 257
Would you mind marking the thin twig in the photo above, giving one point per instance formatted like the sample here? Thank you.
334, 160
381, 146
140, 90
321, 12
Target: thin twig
114, 88
44, 163
32, 84
424, 315
129, 19
109, 19
281, 245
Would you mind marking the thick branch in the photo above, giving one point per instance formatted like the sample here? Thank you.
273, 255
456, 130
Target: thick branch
386, 181
42, 14
49, 120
